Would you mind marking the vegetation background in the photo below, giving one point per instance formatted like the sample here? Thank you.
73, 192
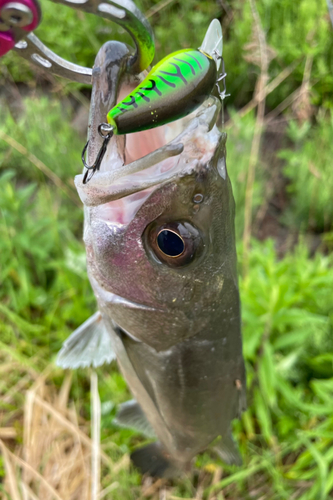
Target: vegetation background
279, 60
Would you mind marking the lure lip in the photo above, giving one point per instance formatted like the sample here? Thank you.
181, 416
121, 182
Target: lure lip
214, 50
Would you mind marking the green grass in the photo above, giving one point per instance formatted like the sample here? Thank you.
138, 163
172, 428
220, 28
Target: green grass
308, 166
286, 435
240, 136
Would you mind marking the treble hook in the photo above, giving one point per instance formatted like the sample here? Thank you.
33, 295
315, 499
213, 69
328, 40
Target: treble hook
221, 77
108, 133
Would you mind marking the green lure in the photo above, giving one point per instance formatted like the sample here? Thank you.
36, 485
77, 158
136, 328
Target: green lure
173, 88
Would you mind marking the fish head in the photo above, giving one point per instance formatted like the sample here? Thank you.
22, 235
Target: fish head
159, 229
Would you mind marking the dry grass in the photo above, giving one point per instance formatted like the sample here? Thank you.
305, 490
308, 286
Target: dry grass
56, 458
261, 55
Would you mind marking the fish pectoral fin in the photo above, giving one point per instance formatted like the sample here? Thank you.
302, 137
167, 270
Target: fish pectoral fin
131, 415
89, 345
153, 460
228, 451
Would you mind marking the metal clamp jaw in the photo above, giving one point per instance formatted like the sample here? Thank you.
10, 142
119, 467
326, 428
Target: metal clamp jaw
13, 34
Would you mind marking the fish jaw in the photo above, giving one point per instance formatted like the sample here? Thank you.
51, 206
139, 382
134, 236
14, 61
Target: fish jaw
118, 178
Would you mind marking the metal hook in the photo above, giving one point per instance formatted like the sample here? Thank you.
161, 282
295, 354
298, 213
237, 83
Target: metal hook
221, 77
103, 127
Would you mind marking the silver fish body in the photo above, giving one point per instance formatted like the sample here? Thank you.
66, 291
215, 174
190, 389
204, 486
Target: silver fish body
173, 323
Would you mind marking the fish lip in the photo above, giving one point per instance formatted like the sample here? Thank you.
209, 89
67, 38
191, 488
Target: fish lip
205, 118
113, 298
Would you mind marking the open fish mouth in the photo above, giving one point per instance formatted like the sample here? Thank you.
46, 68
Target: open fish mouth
136, 163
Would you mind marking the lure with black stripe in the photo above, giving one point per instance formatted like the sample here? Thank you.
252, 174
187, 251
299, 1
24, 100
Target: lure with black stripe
174, 88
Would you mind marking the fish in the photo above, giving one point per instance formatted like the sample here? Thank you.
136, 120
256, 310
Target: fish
161, 259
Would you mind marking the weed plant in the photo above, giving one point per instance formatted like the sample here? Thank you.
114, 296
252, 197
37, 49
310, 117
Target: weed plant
240, 136
308, 166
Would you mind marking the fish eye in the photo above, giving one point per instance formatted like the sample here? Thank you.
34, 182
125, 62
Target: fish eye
175, 243
170, 243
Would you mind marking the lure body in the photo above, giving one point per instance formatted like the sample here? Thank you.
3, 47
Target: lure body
174, 88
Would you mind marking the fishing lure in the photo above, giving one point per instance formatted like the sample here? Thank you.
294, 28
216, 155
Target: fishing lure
174, 88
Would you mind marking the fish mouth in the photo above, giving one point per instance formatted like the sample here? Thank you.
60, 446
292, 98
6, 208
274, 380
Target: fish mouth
136, 163
114, 299
120, 302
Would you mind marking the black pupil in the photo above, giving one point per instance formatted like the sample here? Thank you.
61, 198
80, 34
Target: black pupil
170, 243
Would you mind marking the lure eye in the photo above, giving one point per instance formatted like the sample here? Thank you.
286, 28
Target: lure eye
175, 244
170, 243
